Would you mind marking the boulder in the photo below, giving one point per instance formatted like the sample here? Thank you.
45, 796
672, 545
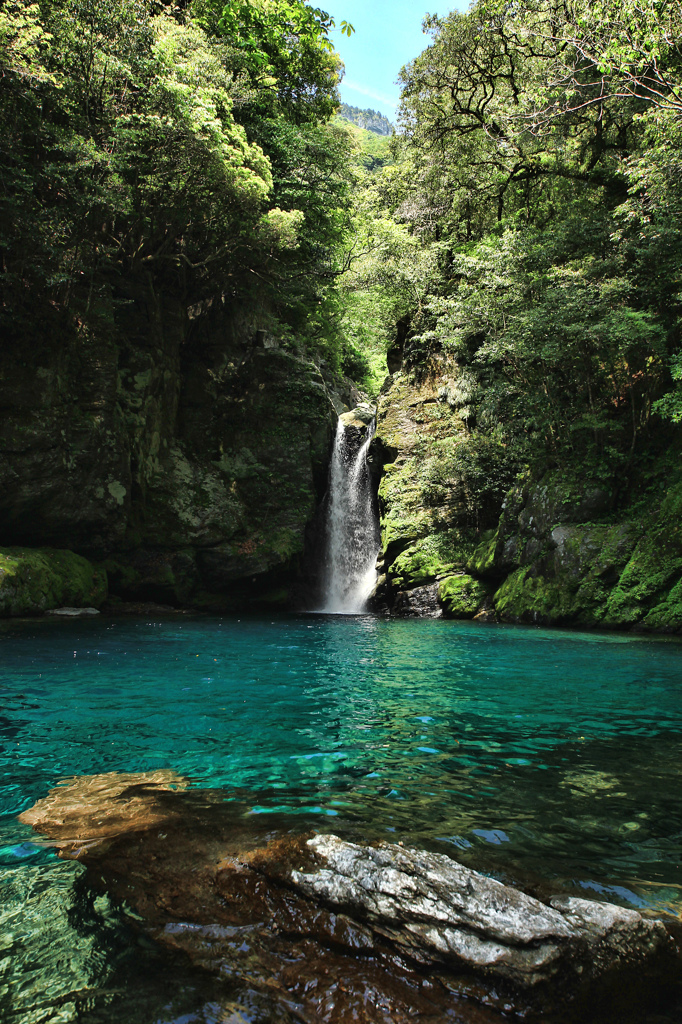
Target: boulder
437, 911
461, 596
344, 931
40, 580
73, 613
87, 811
418, 603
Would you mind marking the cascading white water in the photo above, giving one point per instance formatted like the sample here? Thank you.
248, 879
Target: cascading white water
352, 527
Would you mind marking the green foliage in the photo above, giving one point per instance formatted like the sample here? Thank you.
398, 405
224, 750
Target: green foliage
533, 234
373, 152
284, 47
23, 42
127, 160
140, 147
670, 406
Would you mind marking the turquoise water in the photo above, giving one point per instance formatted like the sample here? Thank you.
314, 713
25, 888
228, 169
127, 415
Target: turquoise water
530, 753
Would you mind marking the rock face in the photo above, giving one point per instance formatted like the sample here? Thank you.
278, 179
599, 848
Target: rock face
185, 455
441, 912
569, 562
553, 549
425, 529
326, 930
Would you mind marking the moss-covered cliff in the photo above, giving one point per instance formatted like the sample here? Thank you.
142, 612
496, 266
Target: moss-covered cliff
560, 546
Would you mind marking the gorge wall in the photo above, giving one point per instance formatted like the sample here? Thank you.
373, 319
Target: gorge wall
181, 456
557, 547
183, 460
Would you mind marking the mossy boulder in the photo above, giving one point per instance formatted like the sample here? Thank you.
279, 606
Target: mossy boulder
571, 579
359, 418
36, 580
482, 561
528, 597
461, 596
430, 558
666, 615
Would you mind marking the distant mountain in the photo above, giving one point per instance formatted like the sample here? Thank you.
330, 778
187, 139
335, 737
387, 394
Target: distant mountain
371, 120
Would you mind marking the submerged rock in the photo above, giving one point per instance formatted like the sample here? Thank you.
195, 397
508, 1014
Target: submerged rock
85, 812
45, 912
73, 613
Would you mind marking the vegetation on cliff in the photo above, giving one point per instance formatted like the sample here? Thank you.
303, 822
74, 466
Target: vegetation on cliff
369, 119
190, 148
524, 259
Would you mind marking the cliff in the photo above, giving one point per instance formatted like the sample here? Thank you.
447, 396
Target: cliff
555, 548
370, 120
183, 455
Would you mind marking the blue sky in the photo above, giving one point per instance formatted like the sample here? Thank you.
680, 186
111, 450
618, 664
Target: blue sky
387, 35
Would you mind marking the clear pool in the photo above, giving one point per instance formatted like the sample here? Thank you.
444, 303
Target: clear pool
529, 753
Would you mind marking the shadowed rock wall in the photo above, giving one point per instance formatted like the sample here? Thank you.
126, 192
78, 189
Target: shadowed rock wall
184, 452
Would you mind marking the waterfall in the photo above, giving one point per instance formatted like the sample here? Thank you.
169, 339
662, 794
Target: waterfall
352, 527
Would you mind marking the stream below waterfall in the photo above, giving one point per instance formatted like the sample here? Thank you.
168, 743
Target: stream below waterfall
527, 753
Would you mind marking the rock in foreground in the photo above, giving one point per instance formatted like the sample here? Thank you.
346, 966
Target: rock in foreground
326, 930
87, 811
438, 911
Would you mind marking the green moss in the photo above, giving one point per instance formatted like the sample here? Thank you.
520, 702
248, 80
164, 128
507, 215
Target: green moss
648, 585
667, 614
430, 558
34, 580
391, 415
482, 561
461, 596
528, 597
404, 519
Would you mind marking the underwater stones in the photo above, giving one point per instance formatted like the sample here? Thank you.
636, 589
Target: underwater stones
33, 581
47, 919
85, 812
325, 930
439, 911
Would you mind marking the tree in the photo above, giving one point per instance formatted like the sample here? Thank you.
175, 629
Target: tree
284, 48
